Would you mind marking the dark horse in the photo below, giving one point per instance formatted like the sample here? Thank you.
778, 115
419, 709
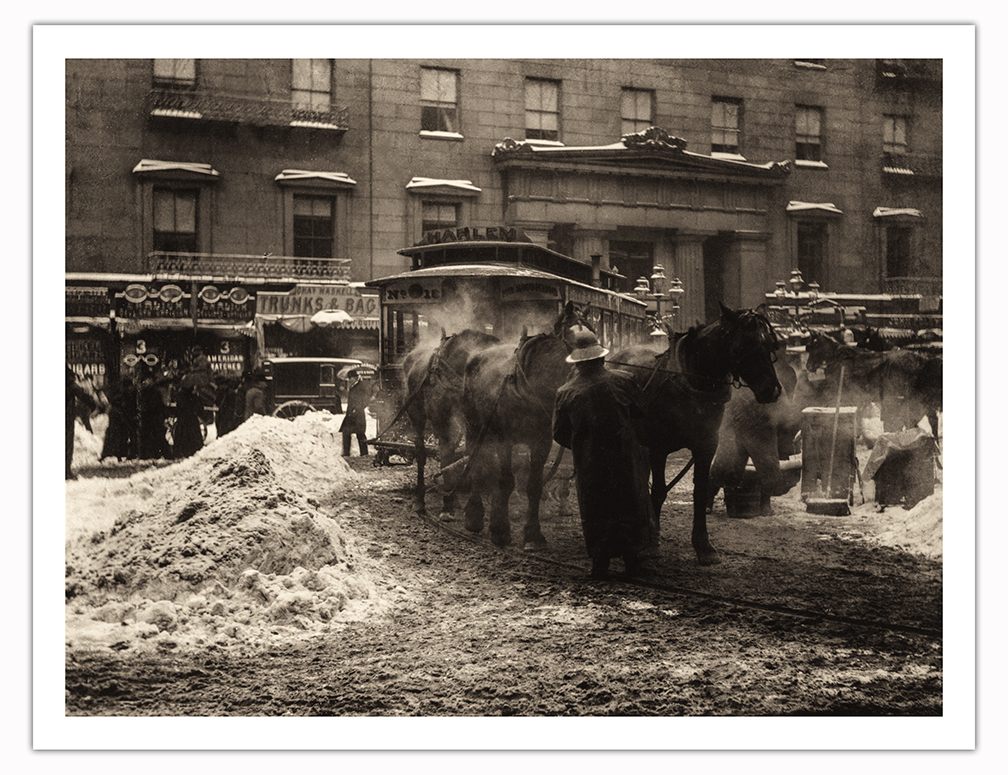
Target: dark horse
907, 383
508, 398
434, 372
686, 389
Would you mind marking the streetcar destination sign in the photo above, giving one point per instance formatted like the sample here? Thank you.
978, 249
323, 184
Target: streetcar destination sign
466, 234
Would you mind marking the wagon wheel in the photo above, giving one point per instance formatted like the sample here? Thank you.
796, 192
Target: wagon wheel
292, 409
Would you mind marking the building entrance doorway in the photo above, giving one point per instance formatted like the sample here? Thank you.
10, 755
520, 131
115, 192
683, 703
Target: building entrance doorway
720, 276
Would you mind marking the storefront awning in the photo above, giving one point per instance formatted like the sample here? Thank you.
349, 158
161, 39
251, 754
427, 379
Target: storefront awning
303, 323
132, 325
88, 320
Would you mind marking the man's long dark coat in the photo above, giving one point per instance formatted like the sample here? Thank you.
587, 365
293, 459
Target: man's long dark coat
355, 421
596, 416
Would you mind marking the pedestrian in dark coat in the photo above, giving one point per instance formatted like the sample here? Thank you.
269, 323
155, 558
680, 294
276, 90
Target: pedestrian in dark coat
255, 394
188, 435
153, 414
355, 422
122, 422
597, 416
74, 392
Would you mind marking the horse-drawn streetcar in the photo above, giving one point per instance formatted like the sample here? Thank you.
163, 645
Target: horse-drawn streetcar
496, 283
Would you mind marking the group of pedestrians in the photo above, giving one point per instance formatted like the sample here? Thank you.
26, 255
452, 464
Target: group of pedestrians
140, 406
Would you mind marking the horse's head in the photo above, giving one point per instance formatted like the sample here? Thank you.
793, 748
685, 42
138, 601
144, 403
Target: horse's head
752, 350
820, 350
571, 320
874, 341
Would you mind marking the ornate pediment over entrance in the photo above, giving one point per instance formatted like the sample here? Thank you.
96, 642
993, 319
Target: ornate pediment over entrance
654, 137
650, 152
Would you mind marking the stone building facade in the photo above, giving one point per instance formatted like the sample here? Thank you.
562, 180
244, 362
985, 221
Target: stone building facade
272, 174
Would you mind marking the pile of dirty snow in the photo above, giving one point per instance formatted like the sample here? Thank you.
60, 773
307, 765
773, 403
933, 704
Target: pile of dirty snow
229, 546
917, 530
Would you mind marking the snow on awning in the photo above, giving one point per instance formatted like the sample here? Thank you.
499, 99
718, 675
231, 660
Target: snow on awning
896, 212
795, 206
440, 186
317, 179
189, 169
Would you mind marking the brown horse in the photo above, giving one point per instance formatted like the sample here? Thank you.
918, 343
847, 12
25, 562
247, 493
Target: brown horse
508, 398
686, 389
434, 372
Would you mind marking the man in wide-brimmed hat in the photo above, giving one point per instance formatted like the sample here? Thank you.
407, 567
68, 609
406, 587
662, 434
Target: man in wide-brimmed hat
595, 417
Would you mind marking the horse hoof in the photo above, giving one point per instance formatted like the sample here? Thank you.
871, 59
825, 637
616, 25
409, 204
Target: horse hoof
474, 527
535, 545
446, 516
500, 539
709, 558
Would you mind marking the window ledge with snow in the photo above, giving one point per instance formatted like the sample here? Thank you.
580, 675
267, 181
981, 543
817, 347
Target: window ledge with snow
817, 165
729, 156
549, 143
440, 135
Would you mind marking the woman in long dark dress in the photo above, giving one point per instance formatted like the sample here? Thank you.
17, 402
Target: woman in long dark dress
122, 421
153, 413
188, 433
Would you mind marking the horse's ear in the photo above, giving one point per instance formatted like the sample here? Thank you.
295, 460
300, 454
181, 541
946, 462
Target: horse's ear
444, 334
524, 335
726, 313
569, 310
762, 309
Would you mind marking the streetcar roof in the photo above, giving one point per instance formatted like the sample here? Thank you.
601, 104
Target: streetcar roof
494, 270
510, 245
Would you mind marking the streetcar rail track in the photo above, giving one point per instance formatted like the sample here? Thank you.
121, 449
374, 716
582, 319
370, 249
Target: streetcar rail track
677, 590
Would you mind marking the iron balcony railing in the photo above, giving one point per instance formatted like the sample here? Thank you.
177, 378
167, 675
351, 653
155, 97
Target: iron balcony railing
215, 107
912, 165
913, 286
232, 266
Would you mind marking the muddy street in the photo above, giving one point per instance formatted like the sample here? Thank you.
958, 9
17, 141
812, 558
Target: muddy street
805, 615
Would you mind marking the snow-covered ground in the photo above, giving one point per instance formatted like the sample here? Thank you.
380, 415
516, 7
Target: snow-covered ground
230, 546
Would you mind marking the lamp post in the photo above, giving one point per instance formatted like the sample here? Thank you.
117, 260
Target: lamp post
675, 293
658, 287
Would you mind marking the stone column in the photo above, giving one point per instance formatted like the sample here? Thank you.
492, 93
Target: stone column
689, 268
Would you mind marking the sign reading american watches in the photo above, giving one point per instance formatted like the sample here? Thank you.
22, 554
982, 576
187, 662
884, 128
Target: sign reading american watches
309, 299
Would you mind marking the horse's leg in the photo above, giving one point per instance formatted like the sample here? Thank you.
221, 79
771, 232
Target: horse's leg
480, 468
766, 459
538, 453
658, 492
420, 452
448, 438
500, 525
706, 554
727, 467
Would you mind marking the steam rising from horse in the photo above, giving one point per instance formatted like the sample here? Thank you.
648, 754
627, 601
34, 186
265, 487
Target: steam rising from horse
686, 389
508, 398
434, 374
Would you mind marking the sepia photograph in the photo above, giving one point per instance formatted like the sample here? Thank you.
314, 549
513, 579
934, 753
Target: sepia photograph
512, 377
